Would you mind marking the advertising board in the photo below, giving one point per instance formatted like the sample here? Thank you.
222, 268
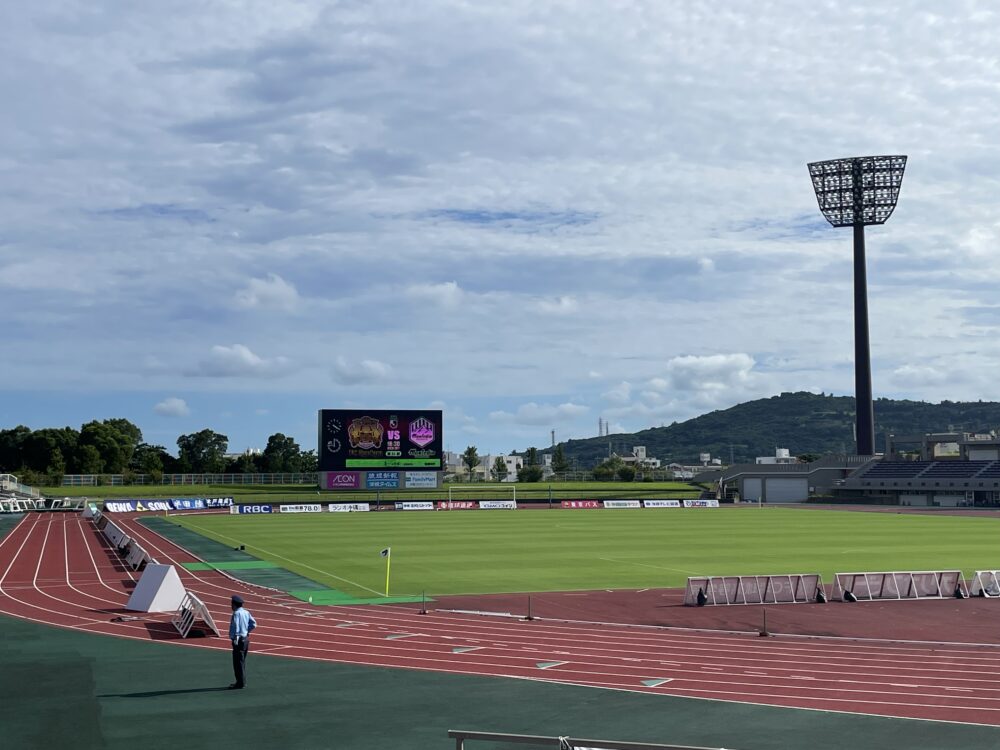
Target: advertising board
309, 508
382, 480
352, 439
701, 503
622, 504
343, 480
426, 480
497, 505
245, 509
661, 503
456, 505
415, 506
159, 505
348, 507
581, 504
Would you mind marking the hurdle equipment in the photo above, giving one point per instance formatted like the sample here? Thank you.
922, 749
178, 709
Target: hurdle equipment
798, 588
986, 583
159, 589
900, 585
191, 610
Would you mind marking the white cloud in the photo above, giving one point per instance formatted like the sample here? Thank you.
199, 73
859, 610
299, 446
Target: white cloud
237, 361
503, 202
541, 414
366, 371
446, 294
271, 293
619, 394
916, 376
564, 305
709, 373
172, 407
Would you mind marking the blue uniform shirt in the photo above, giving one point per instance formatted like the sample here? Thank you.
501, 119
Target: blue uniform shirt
241, 624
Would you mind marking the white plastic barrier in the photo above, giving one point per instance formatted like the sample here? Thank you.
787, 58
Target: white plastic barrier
907, 584
189, 611
986, 583
159, 590
798, 588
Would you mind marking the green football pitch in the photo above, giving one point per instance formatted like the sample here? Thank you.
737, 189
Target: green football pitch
561, 550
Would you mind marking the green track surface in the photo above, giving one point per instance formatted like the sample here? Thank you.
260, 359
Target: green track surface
66, 689
8, 521
246, 567
241, 565
514, 551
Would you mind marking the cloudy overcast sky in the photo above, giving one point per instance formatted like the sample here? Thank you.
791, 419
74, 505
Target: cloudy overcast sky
530, 214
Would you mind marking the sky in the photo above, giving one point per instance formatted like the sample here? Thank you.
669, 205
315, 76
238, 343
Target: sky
532, 215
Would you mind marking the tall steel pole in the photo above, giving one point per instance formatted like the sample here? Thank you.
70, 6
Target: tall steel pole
864, 410
855, 192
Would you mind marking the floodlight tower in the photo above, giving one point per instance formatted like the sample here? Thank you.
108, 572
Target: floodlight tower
852, 193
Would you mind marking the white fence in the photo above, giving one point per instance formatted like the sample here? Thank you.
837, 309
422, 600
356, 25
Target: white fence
797, 588
906, 584
120, 480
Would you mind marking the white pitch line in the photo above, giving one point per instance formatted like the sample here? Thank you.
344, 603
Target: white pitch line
647, 565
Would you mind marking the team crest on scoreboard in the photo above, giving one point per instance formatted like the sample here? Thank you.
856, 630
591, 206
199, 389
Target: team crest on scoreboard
365, 433
421, 431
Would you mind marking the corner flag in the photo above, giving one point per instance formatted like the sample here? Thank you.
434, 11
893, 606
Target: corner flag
387, 554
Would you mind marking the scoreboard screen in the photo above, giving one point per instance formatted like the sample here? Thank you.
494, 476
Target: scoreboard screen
360, 440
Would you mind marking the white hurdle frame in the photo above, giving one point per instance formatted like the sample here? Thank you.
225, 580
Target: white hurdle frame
945, 583
192, 608
985, 583
754, 589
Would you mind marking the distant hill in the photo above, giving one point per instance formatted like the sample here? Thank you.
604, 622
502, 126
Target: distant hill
802, 422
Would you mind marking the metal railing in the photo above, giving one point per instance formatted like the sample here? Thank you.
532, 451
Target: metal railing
120, 480
563, 743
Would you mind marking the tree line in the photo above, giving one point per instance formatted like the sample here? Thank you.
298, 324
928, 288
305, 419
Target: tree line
116, 446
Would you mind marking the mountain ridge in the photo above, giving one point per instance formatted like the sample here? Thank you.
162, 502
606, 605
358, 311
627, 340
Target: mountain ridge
801, 421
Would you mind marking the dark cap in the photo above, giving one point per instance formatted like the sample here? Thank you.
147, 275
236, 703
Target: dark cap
237, 599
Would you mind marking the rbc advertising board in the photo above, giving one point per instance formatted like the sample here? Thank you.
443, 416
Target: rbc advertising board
353, 440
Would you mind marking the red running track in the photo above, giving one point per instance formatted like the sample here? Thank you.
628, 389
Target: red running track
58, 569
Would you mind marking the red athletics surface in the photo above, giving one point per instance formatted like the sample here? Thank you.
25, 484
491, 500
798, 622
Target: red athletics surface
58, 569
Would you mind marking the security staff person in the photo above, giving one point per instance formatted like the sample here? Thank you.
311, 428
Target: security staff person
240, 625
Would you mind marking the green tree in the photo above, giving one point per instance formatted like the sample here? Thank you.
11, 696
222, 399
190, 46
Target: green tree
309, 461
560, 464
129, 436
88, 460
607, 469
11, 447
531, 457
529, 474
113, 447
202, 452
626, 473
281, 454
149, 459
470, 459
499, 470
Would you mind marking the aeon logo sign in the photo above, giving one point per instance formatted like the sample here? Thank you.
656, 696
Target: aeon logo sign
343, 480
421, 431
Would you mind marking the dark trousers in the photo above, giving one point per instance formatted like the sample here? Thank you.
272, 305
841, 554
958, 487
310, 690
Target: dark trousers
240, 648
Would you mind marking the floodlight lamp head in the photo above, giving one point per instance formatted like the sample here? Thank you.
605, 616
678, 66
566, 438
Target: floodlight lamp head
859, 190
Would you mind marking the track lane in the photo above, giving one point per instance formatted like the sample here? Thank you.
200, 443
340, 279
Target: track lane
959, 684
